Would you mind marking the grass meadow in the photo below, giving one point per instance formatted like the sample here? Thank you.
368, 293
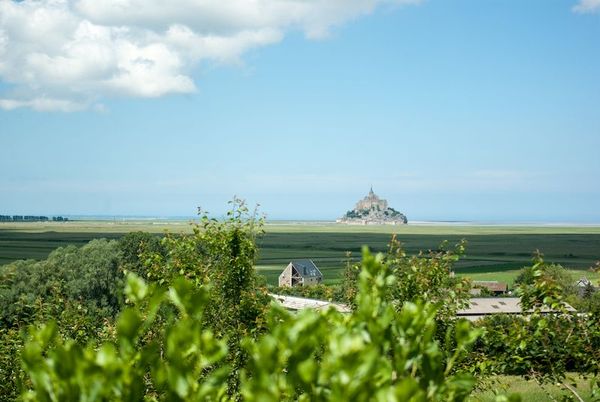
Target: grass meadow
531, 391
494, 252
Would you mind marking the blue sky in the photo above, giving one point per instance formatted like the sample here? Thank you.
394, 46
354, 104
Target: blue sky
462, 110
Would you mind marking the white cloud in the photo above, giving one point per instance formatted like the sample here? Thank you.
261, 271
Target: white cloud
587, 6
69, 54
42, 104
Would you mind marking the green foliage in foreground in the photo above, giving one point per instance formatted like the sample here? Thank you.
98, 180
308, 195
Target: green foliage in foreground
376, 353
549, 341
171, 365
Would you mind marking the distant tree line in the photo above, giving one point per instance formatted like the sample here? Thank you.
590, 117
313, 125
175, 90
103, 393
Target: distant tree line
31, 218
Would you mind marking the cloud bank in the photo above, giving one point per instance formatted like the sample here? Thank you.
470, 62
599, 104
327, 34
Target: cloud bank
69, 55
587, 6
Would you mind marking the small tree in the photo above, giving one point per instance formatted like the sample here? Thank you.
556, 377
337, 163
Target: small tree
425, 277
134, 247
221, 253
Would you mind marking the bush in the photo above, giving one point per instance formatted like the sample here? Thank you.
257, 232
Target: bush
379, 352
88, 276
134, 247
553, 272
80, 288
318, 291
426, 277
548, 341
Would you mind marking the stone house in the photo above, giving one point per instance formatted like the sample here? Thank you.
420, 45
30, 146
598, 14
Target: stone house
300, 273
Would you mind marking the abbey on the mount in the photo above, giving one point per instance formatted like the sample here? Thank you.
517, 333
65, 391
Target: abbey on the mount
373, 210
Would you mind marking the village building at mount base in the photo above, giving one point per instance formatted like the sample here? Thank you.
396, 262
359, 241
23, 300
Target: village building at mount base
373, 210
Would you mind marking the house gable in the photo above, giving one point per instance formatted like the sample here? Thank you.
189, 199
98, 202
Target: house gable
300, 273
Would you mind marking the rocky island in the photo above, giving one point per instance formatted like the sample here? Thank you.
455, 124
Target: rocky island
373, 210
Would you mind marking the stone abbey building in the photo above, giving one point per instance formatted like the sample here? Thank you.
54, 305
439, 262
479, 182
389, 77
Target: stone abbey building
373, 210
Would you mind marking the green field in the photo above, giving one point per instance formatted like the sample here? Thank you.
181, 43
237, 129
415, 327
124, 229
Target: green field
531, 391
493, 252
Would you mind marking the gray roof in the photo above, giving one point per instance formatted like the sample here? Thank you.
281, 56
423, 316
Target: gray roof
492, 305
479, 307
306, 268
300, 303
482, 306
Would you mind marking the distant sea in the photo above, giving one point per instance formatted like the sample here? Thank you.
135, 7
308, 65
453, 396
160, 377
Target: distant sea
424, 222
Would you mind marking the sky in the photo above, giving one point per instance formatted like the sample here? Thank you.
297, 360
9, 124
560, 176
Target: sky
451, 110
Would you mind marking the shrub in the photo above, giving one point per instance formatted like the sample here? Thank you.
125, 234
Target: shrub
80, 288
548, 341
134, 247
378, 352
426, 277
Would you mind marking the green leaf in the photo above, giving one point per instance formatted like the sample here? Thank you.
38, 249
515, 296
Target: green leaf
136, 289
